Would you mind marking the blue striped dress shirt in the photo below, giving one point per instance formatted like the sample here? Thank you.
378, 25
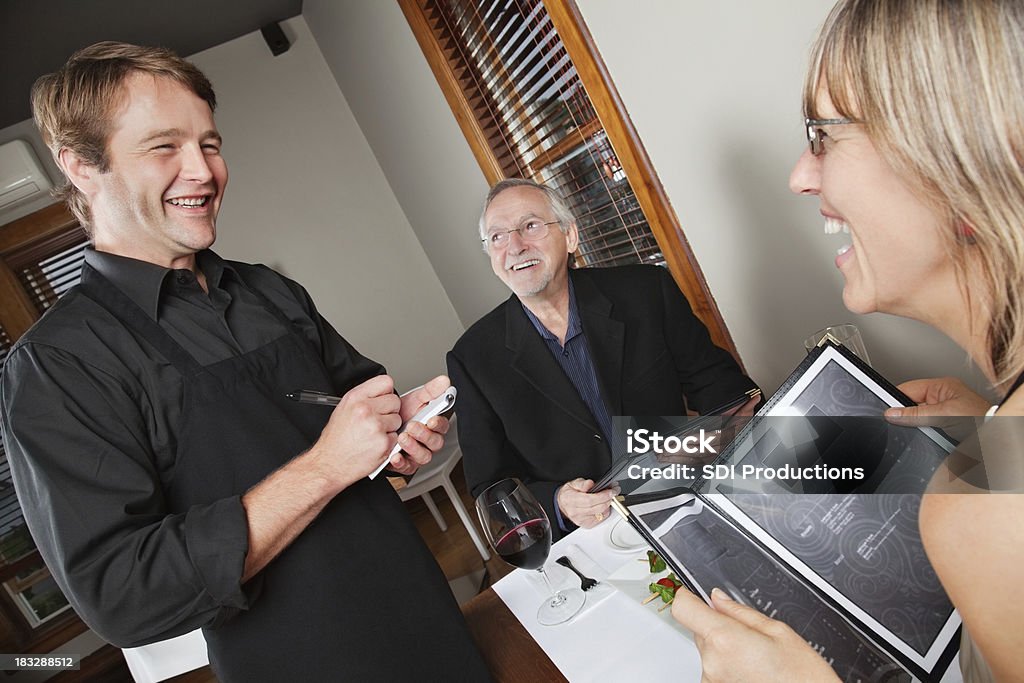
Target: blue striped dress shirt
575, 360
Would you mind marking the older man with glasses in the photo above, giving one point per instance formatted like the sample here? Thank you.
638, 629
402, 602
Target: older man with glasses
540, 376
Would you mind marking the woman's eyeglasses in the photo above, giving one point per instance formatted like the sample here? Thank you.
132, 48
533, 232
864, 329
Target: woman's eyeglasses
816, 136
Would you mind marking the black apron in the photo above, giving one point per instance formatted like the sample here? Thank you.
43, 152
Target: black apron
357, 596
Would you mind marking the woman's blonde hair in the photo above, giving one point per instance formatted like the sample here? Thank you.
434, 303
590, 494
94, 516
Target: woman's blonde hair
937, 86
73, 106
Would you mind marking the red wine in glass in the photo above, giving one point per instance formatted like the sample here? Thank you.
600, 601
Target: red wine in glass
527, 545
519, 531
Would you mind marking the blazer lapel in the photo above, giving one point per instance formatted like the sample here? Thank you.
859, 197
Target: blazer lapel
532, 359
606, 338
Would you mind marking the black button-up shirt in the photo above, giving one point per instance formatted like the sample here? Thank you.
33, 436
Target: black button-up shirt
85, 430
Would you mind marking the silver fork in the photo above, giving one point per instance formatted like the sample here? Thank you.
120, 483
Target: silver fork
586, 583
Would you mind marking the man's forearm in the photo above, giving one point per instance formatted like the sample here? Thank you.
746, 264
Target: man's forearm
281, 506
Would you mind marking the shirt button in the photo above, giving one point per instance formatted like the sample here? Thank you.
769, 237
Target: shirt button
598, 437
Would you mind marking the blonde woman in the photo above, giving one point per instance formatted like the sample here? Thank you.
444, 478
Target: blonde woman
916, 140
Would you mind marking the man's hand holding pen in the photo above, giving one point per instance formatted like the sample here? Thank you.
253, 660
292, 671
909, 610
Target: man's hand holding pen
363, 426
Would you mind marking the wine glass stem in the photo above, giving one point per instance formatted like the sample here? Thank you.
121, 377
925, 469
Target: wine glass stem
556, 596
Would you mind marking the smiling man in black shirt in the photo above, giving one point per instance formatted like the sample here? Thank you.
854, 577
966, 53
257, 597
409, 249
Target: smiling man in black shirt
166, 479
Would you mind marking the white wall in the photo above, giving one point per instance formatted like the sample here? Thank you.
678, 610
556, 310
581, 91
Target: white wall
723, 136
307, 197
378, 64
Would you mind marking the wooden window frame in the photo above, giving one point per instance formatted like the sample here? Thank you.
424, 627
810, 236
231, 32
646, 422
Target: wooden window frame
15, 588
37, 232
622, 135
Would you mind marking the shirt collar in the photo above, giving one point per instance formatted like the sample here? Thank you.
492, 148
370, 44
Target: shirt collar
143, 282
574, 327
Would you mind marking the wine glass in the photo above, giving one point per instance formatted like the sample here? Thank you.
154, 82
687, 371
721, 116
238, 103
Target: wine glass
518, 529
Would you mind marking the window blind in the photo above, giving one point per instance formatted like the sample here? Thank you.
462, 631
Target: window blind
536, 116
46, 280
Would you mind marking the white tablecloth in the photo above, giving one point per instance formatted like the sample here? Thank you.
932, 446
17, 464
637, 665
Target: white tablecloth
606, 641
614, 637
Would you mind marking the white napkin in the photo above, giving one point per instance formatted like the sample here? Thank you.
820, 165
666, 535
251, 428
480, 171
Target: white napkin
562, 577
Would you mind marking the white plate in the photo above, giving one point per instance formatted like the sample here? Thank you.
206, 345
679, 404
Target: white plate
625, 538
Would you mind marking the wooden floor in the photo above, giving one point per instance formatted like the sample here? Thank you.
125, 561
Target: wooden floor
453, 549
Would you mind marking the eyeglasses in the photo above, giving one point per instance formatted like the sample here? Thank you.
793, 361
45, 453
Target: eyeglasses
530, 230
815, 135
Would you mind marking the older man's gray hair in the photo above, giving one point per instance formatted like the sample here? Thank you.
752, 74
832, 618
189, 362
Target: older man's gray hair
563, 214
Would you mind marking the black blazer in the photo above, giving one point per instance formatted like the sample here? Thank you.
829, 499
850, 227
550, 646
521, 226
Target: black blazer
520, 416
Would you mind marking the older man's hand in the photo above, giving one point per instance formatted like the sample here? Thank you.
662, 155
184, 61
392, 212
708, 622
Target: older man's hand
583, 508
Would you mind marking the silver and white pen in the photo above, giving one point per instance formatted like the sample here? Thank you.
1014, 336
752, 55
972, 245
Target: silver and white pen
315, 397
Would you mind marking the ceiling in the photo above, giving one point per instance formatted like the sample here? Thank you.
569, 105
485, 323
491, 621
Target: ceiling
37, 36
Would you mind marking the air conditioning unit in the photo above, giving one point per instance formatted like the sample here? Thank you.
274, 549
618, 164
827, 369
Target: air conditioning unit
22, 177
